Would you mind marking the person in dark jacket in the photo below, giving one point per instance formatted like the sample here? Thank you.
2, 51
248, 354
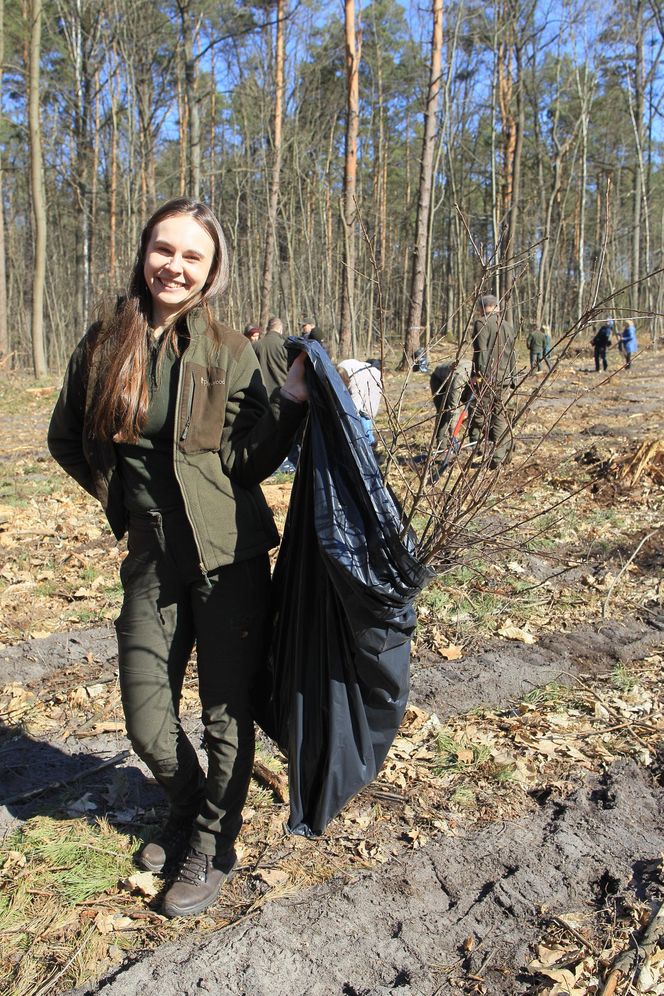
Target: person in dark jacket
601, 342
164, 418
539, 344
273, 359
450, 391
494, 373
272, 354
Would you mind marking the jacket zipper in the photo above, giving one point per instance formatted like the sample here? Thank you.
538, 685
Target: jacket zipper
183, 436
187, 424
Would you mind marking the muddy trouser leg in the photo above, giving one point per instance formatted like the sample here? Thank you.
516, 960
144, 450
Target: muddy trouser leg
439, 397
477, 427
155, 637
500, 431
598, 353
230, 619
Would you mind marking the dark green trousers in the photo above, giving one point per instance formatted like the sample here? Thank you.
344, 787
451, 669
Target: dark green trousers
164, 615
491, 425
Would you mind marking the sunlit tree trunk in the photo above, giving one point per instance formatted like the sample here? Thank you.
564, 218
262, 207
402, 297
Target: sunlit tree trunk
4, 333
637, 96
586, 98
183, 125
113, 182
273, 203
37, 192
212, 152
349, 206
420, 252
510, 82
188, 28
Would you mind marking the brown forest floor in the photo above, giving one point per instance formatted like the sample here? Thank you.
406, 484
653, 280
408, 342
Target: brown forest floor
536, 715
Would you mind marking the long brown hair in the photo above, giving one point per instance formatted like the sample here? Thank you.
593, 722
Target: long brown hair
123, 342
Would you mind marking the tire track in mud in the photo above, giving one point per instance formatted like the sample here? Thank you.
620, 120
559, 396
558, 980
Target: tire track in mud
405, 928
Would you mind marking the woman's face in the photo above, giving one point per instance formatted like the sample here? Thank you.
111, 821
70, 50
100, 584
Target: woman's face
177, 264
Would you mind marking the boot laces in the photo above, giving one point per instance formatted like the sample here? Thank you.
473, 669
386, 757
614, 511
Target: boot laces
193, 868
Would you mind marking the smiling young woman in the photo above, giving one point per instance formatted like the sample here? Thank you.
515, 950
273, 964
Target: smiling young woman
178, 260
164, 418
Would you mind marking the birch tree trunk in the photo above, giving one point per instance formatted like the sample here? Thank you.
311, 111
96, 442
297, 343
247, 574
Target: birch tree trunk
420, 252
349, 206
37, 193
273, 203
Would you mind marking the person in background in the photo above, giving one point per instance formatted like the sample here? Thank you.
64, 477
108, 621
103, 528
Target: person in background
420, 361
315, 335
252, 332
272, 355
601, 341
535, 343
273, 360
494, 373
307, 327
450, 392
628, 343
164, 418
365, 386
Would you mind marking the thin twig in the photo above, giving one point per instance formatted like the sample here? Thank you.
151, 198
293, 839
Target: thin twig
611, 712
46, 986
624, 568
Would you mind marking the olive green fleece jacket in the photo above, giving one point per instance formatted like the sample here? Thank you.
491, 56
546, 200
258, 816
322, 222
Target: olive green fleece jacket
227, 439
536, 341
494, 356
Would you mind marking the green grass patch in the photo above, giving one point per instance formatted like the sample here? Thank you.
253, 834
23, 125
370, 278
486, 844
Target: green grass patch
49, 869
622, 679
458, 754
463, 797
554, 696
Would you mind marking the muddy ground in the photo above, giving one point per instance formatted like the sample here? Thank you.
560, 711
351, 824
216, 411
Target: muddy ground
471, 905
465, 911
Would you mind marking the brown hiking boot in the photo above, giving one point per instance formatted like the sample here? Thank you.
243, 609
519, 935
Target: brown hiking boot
167, 848
198, 883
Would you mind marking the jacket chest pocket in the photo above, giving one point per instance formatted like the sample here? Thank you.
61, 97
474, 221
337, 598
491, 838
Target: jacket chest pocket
202, 408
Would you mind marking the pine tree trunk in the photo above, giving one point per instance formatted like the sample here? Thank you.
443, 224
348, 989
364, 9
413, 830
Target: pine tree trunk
4, 332
273, 204
637, 121
37, 194
349, 207
420, 252
191, 97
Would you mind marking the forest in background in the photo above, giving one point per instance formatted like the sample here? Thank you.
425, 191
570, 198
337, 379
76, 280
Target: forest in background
374, 166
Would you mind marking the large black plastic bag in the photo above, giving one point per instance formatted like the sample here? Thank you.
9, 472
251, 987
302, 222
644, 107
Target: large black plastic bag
344, 585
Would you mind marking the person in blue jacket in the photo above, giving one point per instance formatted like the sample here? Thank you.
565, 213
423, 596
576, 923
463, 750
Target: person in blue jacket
628, 344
